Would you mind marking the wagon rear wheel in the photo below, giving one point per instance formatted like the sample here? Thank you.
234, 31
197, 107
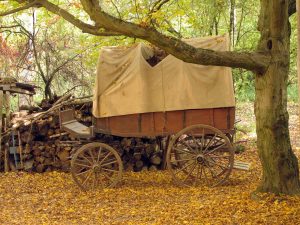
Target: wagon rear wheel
96, 165
200, 155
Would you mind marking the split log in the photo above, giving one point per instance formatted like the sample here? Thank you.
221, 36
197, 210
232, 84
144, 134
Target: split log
156, 159
138, 165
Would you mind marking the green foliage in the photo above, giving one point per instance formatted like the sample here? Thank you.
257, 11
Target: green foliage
180, 18
293, 93
244, 85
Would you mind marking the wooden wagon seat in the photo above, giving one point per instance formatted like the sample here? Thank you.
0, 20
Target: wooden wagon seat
71, 125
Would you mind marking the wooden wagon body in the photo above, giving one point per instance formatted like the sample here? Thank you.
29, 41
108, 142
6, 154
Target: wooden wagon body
165, 123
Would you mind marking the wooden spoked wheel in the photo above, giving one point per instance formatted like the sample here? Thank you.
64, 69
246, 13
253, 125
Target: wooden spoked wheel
96, 166
200, 155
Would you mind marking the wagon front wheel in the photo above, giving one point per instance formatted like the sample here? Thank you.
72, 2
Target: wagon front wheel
96, 165
200, 155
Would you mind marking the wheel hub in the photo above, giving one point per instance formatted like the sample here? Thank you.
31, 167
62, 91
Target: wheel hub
200, 159
96, 168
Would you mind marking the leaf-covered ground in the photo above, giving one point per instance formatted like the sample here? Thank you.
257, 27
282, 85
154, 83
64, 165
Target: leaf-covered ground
142, 198
149, 197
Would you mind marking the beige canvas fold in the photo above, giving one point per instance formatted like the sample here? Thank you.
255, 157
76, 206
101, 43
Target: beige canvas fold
127, 84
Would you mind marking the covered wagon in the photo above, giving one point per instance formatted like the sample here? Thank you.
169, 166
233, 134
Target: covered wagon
193, 106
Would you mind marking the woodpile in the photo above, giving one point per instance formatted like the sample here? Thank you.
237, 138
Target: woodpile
41, 145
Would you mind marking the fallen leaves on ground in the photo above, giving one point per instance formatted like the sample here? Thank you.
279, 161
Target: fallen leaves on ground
142, 198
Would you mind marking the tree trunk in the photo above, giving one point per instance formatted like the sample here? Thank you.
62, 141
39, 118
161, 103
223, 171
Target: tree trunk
280, 165
48, 92
298, 56
232, 22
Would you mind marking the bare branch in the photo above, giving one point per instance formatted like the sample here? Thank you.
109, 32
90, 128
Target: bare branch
61, 66
27, 6
9, 27
157, 5
116, 7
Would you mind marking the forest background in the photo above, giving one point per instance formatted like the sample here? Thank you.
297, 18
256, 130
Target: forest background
41, 48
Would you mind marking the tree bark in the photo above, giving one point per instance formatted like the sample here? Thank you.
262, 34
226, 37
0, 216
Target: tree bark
48, 92
232, 22
280, 165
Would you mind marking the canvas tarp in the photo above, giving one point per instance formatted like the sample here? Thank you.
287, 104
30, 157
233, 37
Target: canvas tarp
127, 84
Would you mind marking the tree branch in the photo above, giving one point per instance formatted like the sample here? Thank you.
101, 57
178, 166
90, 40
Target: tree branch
27, 6
157, 5
255, 61
61, 66
9, 27
84, 27
116, 8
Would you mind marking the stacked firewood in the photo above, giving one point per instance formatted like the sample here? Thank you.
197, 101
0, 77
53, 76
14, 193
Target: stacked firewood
43, 146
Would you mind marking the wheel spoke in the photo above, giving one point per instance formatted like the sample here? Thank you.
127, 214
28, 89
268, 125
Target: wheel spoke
99, 153
106, 164
92, 155
215, 176
108, 177
182, 160
86, 159
86, 171
195, 140
87, 177
215, 149
181, 169
210, 170
84, 165
104, 158
201, 171
94, 182
219, 156
197, 173
82, 161
183, 151
195, 164
114, 171
205, 176
187, 145
101, 182
202, 140
209, 143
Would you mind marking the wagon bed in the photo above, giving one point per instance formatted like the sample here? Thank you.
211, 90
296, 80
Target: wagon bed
165, 123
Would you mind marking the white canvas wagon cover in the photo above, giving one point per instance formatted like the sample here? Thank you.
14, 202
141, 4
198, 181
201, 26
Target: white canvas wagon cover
127, 84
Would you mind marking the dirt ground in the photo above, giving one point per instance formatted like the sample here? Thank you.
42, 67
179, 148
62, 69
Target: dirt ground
147, 197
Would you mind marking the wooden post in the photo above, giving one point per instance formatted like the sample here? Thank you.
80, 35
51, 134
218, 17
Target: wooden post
7, 106
7, 121
1, 125
20, 149
298, 53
